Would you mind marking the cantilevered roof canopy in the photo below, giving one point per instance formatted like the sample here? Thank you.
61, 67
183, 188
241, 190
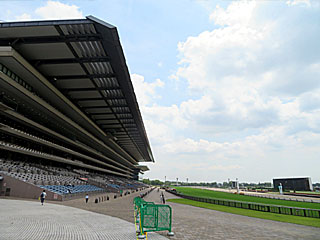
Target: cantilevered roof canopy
143, 168
83, 60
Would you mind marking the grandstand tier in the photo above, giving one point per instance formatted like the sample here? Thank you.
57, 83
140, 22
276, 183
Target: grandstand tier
25, 178
69, 118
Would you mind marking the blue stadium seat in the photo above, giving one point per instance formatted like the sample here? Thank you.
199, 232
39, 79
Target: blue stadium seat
60, 189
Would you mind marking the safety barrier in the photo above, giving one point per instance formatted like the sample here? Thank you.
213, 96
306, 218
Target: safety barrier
303, 212
151, 217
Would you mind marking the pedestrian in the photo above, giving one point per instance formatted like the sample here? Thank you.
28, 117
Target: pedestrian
87, 198
43, 196
163, 199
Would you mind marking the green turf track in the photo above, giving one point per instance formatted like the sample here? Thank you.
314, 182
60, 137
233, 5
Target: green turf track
314, 222
230, 196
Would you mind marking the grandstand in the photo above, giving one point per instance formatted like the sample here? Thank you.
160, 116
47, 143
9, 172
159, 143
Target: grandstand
69, 119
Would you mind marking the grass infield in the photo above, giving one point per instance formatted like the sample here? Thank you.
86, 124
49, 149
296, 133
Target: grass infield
243, 198
314, 222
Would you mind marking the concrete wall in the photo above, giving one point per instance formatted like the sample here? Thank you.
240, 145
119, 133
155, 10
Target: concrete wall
12, 187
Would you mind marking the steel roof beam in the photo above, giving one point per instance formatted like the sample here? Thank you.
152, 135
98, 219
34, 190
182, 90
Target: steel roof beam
102, 107
99, 114
112, 115
67, 77
39, 62
89, 89
90, 107
50, 39
100, 98
108, 128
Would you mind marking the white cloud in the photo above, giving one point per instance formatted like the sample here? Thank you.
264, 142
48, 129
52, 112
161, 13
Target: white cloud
158, 132
238, 12
254, 83
270, 139
145, 91
247, 67
209, 167
53, 10
191, 146
223, 168
59, 10
310, 101
299, 2
170, 116
23, 17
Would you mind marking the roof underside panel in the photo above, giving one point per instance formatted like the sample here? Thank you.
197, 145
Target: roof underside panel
83, 59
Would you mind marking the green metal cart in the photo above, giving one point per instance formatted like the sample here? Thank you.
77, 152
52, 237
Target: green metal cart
151, 217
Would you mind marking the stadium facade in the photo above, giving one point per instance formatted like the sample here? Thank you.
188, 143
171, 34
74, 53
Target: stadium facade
66, 98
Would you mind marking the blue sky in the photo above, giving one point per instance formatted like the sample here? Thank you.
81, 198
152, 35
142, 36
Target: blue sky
227, 89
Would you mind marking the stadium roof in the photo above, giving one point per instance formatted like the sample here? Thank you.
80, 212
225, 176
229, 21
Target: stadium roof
82, 69
143, 168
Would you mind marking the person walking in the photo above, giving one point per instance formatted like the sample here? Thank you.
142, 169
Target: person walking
163, 199
87, 198
43, 196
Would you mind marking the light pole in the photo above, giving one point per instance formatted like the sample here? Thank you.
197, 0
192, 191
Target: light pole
165, 180
177, 181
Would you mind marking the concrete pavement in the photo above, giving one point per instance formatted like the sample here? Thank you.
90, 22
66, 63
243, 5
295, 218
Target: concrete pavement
29, 220
191, 223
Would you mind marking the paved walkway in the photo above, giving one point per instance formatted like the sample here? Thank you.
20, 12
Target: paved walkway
121, 207
28, 220
198, 223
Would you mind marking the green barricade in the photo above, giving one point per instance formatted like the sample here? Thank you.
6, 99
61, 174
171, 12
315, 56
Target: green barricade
150, 217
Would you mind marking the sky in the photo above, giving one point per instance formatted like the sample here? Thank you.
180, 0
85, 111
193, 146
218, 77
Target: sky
226, 89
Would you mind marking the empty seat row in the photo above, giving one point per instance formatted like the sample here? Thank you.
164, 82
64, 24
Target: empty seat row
57, 176
62, 190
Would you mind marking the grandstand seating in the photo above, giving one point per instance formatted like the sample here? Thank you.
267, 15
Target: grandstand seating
117, 183
64, 181
60, 189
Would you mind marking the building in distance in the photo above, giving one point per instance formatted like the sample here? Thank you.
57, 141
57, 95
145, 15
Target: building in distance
293, 183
